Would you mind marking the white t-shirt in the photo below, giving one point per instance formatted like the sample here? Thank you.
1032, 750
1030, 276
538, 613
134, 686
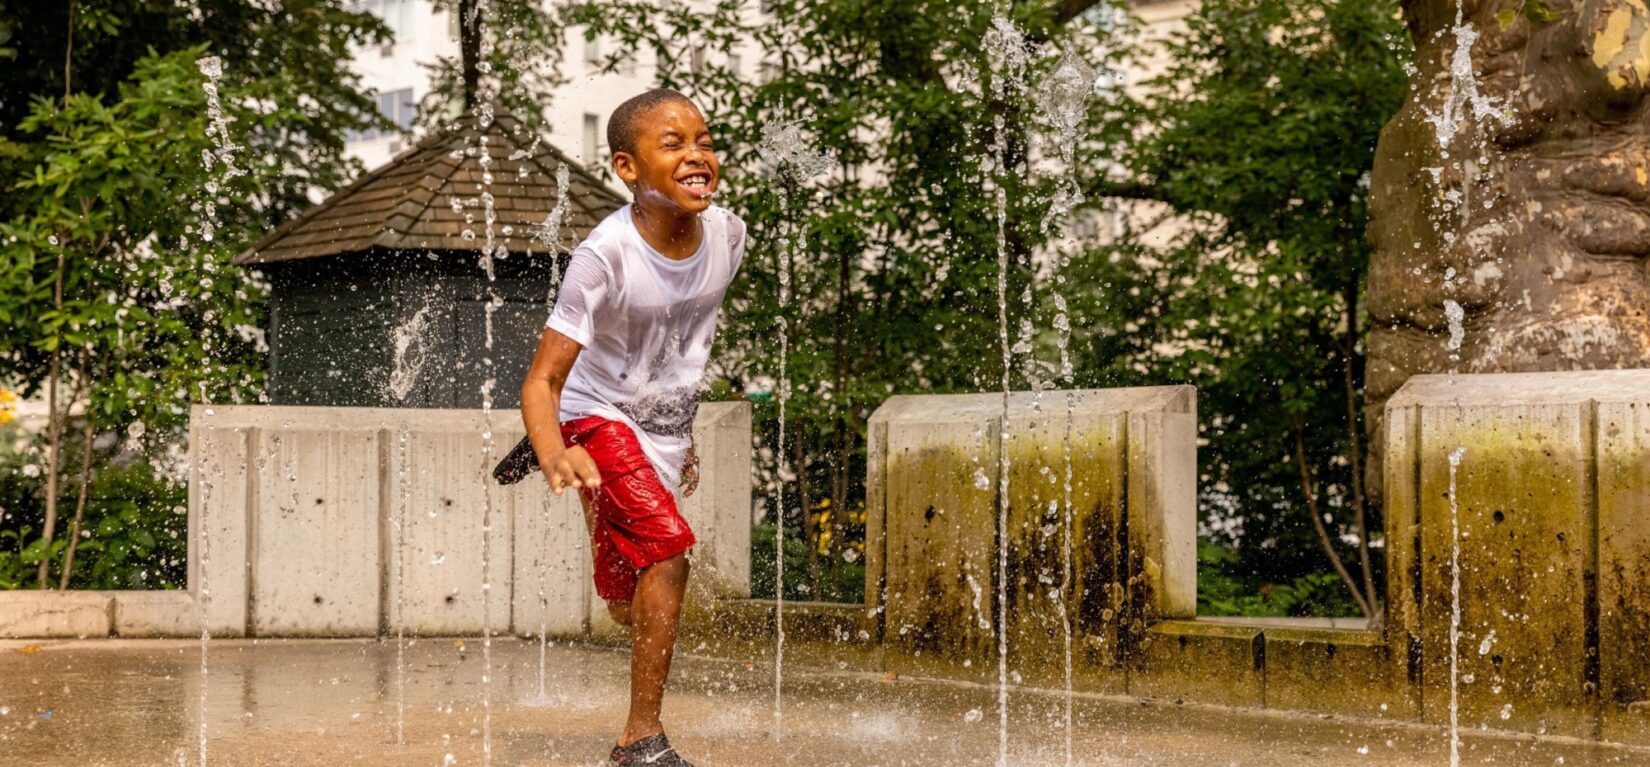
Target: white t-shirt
646, 323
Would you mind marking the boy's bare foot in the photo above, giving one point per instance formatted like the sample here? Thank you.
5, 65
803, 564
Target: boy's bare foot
652, 750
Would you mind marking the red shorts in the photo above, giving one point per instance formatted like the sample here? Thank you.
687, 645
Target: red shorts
636, 523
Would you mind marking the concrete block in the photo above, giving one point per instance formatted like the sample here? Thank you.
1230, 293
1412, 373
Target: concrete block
1198, 662
359, 521
720, 510
35, 614
1624, 568
221, 507
933, 517
551, 581
315, 537
156, 614
440, 487
1335, 671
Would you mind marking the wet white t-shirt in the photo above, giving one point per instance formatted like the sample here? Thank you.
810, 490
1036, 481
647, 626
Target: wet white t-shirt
646, 323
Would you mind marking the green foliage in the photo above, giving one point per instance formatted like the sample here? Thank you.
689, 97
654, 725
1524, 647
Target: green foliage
148, 315
134, 534
892, 255
1259, 138
1225, 588
117, 228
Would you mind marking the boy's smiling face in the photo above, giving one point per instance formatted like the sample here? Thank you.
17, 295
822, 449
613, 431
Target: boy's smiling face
674, 165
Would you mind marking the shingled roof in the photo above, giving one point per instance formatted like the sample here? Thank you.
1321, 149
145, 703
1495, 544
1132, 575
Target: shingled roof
419, 200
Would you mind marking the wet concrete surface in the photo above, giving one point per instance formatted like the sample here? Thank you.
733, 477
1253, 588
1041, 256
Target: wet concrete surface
93, 703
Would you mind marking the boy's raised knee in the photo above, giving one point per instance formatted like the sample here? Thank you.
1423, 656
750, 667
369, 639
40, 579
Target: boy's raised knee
620, 611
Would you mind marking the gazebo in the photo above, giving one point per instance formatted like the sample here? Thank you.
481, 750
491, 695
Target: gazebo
378, 293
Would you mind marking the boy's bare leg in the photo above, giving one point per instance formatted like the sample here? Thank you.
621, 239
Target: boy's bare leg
653, 614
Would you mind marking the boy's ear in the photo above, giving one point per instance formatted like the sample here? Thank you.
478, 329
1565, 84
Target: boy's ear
624, 166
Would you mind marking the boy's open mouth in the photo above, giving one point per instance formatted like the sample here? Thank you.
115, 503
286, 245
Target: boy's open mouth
696, 183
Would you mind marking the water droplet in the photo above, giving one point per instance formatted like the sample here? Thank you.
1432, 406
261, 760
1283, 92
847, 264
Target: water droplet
973, 715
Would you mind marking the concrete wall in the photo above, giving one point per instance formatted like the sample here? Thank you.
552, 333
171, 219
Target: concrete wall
359, 522
1553, 509
935, 479
1553, 493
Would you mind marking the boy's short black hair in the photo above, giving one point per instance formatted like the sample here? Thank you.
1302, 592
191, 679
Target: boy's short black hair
626, 120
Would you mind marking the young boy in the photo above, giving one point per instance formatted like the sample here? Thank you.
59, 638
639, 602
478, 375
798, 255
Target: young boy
610, 398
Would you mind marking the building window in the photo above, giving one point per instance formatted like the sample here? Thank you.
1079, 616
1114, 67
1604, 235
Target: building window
398, 15
398, 107
592, 52
627, 64
696, 63
736, 65
590, 124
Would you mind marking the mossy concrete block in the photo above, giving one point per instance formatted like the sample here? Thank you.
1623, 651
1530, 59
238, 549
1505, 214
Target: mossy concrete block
1335, 671
935, 482
939, 581
43, 614
1549, 495
1624, 569
1200, 662
1058, 592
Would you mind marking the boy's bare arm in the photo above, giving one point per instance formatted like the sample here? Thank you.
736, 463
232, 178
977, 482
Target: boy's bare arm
541, 409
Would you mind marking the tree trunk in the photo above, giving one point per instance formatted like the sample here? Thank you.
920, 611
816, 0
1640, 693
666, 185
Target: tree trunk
844, 407
54, 431
88, 433
83, 489
469, 50
1311, 494
1350, 364
1552, 273
810, 528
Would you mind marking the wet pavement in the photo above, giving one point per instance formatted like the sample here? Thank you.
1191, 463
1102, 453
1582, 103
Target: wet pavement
294, 702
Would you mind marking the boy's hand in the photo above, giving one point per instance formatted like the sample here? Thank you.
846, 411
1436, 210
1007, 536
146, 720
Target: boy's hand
690, 472
573, 468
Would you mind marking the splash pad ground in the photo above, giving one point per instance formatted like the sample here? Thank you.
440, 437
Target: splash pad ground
92, 703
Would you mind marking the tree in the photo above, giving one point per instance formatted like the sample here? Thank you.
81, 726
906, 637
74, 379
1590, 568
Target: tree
891, 255
1512, 185
518, 65
1258, 138
116, 296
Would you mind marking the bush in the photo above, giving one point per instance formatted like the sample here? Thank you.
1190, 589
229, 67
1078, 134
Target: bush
797, 586
134, 534
1223, 589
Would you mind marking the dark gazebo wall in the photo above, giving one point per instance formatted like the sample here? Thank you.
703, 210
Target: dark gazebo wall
332, 325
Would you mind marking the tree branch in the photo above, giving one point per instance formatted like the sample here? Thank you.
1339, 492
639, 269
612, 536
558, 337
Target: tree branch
1067, 10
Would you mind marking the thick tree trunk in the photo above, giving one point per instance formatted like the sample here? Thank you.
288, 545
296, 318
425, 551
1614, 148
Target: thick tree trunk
1544, 216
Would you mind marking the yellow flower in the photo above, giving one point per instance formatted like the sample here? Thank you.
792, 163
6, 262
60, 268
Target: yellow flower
7, 402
